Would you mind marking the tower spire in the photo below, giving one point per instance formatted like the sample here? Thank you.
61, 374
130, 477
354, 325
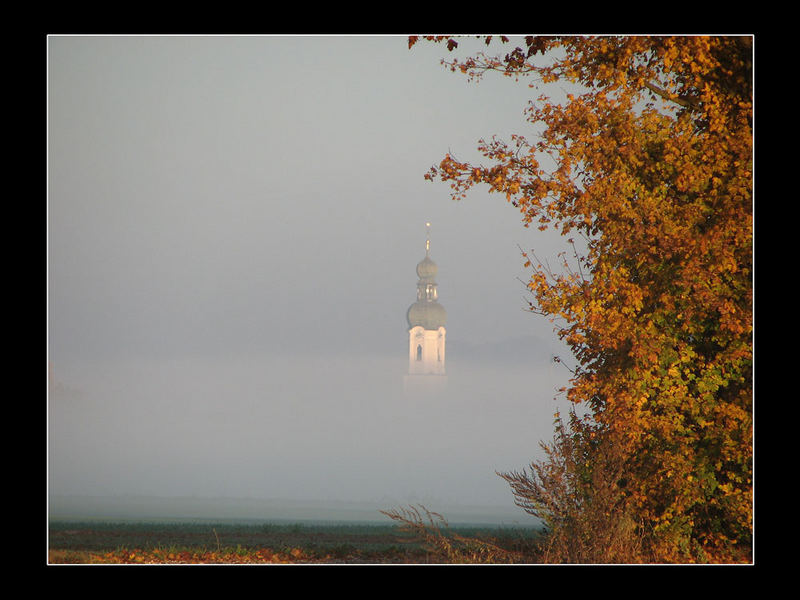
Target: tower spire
427, 238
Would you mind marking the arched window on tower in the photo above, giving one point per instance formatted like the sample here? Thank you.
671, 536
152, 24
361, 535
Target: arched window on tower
419, 352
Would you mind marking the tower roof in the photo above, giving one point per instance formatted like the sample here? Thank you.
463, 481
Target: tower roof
426, 312
428, 315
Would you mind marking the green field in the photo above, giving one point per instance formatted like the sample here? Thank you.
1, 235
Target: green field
308, 542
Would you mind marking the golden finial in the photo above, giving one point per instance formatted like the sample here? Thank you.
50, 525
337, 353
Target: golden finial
427, 238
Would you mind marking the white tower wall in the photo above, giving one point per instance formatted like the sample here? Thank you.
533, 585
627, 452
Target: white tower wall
426, 351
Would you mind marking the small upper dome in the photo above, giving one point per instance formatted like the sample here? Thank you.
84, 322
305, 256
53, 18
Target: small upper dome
426, 268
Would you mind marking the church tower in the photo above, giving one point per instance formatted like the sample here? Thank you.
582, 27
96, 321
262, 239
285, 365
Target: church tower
426, 320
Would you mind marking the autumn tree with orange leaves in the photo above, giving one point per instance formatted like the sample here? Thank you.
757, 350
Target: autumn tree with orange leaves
647, 168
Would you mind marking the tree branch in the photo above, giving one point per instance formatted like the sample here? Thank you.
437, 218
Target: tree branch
684, 102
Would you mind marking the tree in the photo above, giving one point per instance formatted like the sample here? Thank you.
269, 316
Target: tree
649, 166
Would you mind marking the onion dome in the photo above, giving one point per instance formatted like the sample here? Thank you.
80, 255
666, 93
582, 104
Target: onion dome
427, 269
428, 315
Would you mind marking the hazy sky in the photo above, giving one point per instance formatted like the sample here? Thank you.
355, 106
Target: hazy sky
234, 225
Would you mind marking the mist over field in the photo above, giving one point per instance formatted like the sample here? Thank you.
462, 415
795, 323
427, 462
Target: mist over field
233, 229
320, 428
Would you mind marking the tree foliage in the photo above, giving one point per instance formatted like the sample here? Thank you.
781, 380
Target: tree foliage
648, 164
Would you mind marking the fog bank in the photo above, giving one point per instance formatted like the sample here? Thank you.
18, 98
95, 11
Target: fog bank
304, 428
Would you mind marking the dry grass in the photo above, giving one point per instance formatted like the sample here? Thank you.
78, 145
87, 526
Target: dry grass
447, 547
